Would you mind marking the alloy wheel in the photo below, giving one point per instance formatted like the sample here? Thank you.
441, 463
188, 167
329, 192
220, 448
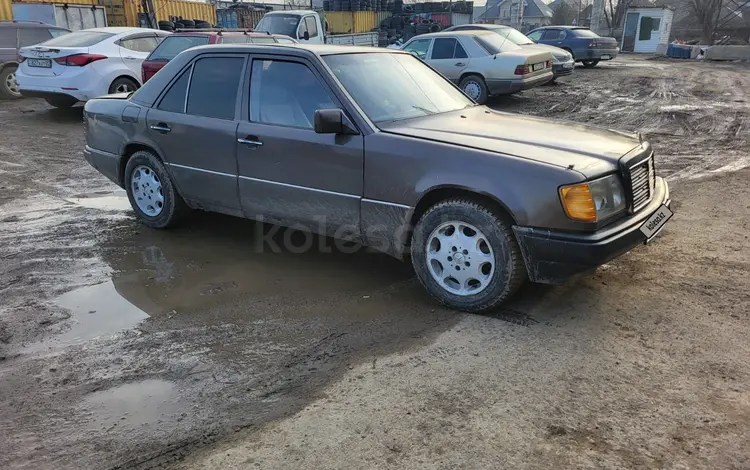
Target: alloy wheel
460, 258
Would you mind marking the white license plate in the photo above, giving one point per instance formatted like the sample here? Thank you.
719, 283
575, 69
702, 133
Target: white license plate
44, 63
567, 66
656, 222
538, 66
606, 57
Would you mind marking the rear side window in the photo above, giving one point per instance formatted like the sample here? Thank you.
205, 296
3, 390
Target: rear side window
173, 45
58, 32
285, 40
146, 44
174, 100
213, 87
8, 39
234, 39
260, 40
78, 39
31, 36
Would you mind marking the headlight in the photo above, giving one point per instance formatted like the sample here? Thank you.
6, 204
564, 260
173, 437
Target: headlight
593, 201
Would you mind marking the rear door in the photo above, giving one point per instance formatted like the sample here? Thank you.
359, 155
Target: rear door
135, 48
194, 126
449, 58
288, 173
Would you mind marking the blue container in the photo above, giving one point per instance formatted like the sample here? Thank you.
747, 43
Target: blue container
227, 18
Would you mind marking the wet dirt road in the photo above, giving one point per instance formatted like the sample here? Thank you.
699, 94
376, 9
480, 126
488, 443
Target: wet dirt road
123, 347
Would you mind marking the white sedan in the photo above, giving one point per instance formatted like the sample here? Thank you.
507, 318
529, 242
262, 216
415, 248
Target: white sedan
85, 64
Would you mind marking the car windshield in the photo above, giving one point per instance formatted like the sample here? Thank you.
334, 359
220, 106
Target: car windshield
391, 87
513, 35
495, 43
279, 24
77, 39
585, 33
173, 45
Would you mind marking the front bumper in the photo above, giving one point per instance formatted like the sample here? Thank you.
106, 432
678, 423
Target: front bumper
552, 257
561, 69
504, 87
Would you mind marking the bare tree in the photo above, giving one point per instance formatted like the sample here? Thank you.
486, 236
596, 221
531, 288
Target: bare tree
614, 13
563, 14
707, 15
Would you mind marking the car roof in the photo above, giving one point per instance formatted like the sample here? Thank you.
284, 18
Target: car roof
118, 29
471, 32
562, 27
253, 34
29, 24
292, 12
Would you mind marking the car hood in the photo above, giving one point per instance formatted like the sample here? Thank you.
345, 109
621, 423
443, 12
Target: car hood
590, 150
556, 52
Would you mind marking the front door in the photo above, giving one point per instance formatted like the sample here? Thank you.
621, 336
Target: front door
631, 27
195, 130
449, 58
289, 174
553, 37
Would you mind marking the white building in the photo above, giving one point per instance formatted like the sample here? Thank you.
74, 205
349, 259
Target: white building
646, 28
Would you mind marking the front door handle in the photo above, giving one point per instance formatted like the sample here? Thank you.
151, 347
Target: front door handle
251, 140
460, 64
161, 127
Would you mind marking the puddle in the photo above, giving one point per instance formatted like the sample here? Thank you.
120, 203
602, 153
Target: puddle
149, 402
116, 200
96, 311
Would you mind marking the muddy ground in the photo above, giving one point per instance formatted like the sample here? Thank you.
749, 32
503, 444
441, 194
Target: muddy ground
123, 347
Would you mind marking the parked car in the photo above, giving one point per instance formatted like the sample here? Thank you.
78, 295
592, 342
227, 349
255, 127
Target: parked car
586, 46
86, 64
14, 35
482, 200
181, 40
482, 63
562, 60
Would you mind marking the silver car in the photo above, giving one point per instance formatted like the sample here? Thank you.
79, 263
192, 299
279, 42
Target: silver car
483, 63
562, 60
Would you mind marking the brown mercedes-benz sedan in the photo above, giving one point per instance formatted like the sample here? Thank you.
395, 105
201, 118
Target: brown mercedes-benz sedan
374, 145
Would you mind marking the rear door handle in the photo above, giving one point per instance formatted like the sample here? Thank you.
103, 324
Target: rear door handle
161, 127
460, 64
131, 58
251, 140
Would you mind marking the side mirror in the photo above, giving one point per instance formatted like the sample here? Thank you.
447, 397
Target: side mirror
332, 121
306, 36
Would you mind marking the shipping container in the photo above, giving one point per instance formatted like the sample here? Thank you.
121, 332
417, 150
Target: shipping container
6, 6
72, 17
238, 17
460, 18
125, 12
444, 19
351, 21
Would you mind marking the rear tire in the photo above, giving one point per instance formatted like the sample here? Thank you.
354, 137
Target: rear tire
151, 192
475, 87
8, 85
123, 85
61, 102
590, 64
488, 261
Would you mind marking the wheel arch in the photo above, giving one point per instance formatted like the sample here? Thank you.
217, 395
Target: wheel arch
128, 150
125, 75
466, 74
10, 63
440, 193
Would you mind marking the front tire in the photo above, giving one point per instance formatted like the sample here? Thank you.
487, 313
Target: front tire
590, 64
466, 256
151, 192
475, 87
8, 85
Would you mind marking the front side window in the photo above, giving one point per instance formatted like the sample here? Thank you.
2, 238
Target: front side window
31, 36
173, 45
174, 100
551, 35
390, 87
213, 87
286, 94
302, 30
312, 26
419, 47
535, 35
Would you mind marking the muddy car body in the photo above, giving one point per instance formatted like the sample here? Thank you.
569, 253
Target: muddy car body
390, 154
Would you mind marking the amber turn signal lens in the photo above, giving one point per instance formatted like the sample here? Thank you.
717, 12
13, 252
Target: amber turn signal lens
578, 203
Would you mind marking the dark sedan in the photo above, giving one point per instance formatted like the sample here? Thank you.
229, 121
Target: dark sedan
586, 46
374, 146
